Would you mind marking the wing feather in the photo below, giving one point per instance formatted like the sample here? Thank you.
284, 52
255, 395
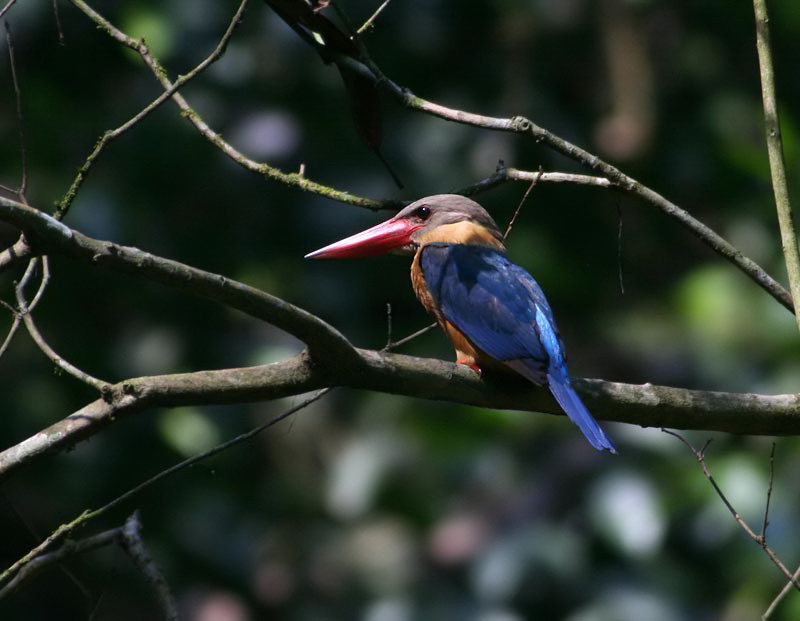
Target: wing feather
493, 301
500, 308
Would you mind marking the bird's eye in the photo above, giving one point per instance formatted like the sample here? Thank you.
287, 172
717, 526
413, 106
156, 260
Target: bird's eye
423, 213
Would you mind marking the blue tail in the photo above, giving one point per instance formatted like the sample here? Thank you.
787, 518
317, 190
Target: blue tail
571, 403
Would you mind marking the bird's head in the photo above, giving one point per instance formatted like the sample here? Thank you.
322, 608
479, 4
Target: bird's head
443, 218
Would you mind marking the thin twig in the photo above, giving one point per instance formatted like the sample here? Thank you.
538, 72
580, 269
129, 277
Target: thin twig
410, 337
511, 222
368, 24
66, 201
777, 165
796, 575
759, 539
23, 186
20, 249
783, 593
29, 273
620, 275
24, 311
186, 463
57, 17
505, 174
271, 172
16, 322
68, 550
45, 280
765, 522
8, 5
393, 345
388, 326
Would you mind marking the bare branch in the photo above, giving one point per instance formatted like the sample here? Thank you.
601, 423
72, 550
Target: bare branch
777, 166
645, 405
49, 236
23, 185
793, 580
290, 179
783, 593
69, 549
131, 541
12, 330
368, 24
8, 5
620, 181
759, 539
57, 17
406, 339
511, 222
65, 202
765, 522
17, 252
25, 312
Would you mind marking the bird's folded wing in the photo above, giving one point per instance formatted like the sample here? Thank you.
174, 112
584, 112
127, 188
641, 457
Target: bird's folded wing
495, 303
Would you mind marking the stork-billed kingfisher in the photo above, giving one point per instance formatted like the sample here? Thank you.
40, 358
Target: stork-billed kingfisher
491, 308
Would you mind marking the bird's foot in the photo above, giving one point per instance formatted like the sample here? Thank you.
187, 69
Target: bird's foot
471, 364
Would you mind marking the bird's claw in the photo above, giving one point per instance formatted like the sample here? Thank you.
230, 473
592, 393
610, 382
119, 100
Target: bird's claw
471, 365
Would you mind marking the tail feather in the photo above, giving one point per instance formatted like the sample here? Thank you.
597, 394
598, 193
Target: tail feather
571, 403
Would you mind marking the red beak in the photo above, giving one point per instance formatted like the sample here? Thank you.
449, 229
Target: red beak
379, 239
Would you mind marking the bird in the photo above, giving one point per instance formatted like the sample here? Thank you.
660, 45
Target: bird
494, 312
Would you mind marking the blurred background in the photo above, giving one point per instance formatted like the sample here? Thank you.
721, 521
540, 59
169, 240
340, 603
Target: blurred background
376, 507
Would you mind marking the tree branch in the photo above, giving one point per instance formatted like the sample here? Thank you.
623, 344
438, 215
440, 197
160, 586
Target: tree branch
69, 549
777, 166
760, 539
289, 179
645, 405
112, 134
49, 236
131, 541
25, 311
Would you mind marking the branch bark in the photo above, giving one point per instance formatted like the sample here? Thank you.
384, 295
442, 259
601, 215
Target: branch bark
47, 235
777, 166
645, 405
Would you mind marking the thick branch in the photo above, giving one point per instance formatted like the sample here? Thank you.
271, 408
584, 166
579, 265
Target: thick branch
645, 405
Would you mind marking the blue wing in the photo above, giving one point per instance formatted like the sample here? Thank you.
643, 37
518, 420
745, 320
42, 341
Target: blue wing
502, 310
